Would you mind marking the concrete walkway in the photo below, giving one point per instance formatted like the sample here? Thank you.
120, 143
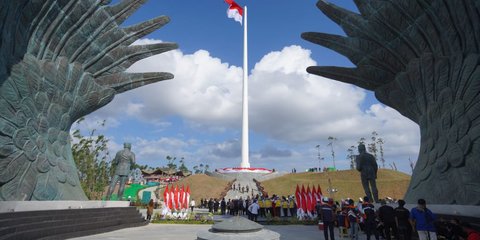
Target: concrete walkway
243, 180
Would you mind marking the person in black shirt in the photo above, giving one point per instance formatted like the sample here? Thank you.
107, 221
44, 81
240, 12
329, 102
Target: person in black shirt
370, 219
328, 217
223, 206
216, 205
210, 205
403, 225
386, 214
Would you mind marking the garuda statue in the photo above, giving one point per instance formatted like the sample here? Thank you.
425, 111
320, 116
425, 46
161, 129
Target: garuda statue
420, 57
61, 60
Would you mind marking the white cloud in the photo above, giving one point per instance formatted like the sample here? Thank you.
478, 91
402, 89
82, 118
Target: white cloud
287, 105
146, 41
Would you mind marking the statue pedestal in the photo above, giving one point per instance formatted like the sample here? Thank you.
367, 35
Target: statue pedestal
237, 228
23, 206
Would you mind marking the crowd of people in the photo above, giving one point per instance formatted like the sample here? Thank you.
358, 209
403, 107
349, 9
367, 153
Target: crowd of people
253, 207
387, 222
384, 222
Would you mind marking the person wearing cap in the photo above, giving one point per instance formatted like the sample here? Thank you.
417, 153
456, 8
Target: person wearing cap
422, 220
367, 166
370, 218
328, 218
401, 218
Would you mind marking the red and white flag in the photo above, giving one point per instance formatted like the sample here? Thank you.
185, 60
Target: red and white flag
308, 195
234, 11
319, 192
177, 198
188, 195
298, 198
171, 200
166, 197
304, 199
182, 197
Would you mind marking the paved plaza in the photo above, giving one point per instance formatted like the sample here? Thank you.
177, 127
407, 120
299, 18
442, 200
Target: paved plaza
189, 231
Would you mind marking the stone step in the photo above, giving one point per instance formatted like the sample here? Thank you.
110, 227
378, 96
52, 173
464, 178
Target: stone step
60, 223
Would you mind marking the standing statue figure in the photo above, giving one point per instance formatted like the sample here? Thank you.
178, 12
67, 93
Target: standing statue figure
123, 164
368, 167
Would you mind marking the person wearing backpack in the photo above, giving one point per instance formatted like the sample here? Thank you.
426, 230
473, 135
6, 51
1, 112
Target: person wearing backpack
422, 220
370, 219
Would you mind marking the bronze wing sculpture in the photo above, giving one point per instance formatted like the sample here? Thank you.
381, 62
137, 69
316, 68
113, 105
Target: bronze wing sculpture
61, 60
420, 57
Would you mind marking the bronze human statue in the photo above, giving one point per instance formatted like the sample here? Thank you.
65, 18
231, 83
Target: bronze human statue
368, 168
123, 163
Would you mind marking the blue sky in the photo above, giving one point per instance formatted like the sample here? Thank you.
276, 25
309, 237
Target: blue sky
197, 115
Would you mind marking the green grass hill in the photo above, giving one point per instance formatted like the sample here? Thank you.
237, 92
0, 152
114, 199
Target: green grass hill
203, 186
390, 183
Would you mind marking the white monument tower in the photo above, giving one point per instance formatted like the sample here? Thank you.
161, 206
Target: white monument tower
245, 150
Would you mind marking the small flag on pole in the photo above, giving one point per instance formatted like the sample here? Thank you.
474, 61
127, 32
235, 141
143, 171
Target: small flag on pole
234, 11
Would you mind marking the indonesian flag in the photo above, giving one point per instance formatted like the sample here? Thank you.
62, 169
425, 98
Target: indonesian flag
309, 199
166, 197
298, 198
177, 197
181, 198
184, 202
314, 197
171, 200
319, 192
304, 199
188, 195
234, 11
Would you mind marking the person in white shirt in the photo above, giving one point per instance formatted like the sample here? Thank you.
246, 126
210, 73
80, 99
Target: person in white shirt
192, 204
253, 209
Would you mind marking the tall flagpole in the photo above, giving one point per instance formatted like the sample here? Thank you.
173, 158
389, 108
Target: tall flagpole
245, 162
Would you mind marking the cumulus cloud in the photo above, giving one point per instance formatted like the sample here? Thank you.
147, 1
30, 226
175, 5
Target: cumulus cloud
287, 105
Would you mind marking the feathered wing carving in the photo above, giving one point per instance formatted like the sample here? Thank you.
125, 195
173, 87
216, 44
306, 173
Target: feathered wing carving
421, 57
61, 60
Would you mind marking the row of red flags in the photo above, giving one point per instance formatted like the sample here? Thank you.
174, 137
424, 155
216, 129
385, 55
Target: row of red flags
307, 199
176, 197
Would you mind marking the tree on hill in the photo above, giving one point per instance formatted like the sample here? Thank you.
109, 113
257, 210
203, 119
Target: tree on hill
182, 167
332, 140
372, 147
375, 147
171, 162
351, 156
90, 154
380, 143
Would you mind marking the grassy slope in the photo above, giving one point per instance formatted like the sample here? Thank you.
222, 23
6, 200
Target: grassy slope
203, 186
390, 183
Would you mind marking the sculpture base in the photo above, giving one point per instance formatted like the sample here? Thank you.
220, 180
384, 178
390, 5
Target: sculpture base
237, 228
244, 170
23, 206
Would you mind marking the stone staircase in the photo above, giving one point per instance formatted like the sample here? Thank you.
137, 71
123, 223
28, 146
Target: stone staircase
68, 223
244, 180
